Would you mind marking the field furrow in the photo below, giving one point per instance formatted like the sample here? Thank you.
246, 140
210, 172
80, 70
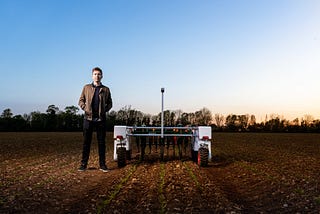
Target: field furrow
249, 173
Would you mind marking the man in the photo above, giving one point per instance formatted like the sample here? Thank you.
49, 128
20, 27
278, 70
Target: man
95, 101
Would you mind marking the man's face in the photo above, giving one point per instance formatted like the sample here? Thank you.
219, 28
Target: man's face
96, 76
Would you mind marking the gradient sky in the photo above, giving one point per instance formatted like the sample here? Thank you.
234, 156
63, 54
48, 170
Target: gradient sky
232, 56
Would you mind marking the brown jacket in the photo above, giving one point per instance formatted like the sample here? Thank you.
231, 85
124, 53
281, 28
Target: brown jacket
85, 101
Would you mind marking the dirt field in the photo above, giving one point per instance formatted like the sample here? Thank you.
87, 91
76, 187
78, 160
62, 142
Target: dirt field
249, 173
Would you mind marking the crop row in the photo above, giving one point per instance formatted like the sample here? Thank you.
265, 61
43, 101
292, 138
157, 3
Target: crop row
174, 188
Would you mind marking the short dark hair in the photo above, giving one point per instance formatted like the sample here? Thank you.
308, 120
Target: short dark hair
97, 69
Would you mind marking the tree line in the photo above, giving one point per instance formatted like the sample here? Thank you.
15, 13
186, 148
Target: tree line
69, 119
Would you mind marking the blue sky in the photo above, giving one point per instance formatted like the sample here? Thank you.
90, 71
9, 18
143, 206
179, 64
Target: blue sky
241, 56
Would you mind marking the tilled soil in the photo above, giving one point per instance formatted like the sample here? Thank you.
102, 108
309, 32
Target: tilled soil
249, 173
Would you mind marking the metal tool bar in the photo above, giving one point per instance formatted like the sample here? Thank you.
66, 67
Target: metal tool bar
159, 135
157, 127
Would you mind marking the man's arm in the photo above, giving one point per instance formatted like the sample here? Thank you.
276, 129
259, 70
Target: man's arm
109, 101
82, 100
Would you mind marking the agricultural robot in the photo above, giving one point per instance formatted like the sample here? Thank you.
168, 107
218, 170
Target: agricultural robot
200, 143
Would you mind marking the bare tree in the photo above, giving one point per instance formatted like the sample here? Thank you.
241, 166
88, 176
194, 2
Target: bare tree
203, 116
129, 116
295, 122
172, 118
185, 119
166, 117
232, 122
253, 120
155, 120
146, 119
219, 118
307, 120
244, 121
178, 114
192, 118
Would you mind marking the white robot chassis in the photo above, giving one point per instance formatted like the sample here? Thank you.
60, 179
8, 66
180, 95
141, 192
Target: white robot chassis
200, 141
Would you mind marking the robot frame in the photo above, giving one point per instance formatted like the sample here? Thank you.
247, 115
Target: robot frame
200, 141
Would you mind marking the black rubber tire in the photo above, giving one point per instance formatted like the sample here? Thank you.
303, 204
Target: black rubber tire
203, 155
121, 153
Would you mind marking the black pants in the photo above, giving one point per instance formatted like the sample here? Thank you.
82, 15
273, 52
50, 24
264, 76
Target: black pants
88, 128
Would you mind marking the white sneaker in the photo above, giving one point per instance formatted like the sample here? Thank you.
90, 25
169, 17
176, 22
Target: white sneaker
104, 169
